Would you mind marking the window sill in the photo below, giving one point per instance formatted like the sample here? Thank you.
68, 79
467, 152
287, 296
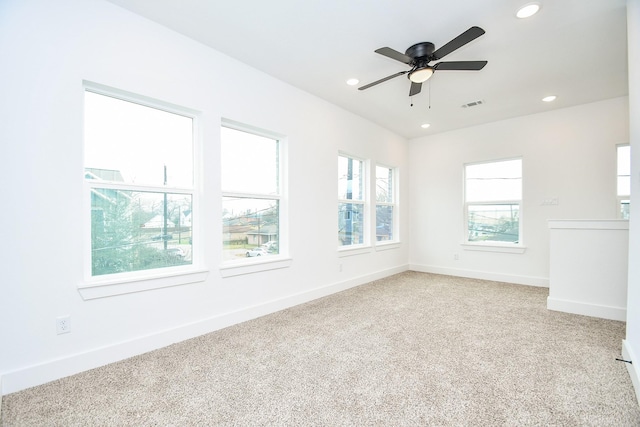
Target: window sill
349, 251
113, 287
494, 247
237, 268
385, 246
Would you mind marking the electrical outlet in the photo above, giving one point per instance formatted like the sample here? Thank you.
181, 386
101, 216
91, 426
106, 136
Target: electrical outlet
456, 257
63, 324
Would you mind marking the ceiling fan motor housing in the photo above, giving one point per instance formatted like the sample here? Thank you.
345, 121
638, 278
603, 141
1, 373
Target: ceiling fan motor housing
421, 51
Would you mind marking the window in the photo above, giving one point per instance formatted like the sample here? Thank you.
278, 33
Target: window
493, 193
385, 204
624, 180
351, 201
138, 177
251, 195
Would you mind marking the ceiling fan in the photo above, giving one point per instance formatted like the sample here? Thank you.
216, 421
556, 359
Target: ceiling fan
420, 55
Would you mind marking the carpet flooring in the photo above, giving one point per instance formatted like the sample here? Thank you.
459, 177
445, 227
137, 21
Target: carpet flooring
413, 349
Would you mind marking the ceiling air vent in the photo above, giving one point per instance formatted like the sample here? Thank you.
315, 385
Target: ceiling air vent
473, 103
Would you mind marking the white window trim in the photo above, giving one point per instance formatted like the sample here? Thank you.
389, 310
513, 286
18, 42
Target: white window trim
282, 259
492, 246
393, 243
240, 267
345, 251
365, 246
92, 287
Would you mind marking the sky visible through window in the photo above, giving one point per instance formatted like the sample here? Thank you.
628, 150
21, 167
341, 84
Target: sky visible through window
249, 162
624, 170
494, 181
138, 141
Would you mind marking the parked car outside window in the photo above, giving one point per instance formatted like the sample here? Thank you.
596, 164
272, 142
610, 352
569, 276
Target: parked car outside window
256, 252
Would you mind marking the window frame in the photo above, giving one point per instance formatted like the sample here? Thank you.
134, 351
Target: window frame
230, 268
107, 285
493, 245
395, 228
620, 198
364, 202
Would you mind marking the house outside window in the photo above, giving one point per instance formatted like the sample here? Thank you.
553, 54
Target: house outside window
351, 201
493, 197
139, 181
252, 194
385, 204
623, 180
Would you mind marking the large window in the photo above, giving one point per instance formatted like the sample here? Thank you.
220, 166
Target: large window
385, 204
493, 194
351, 201
251, 194
139, 178
624, 180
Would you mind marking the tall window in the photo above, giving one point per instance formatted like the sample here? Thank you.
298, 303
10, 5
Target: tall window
385, 204
251, 195
351, 201
493, 194
624, 180
139, 177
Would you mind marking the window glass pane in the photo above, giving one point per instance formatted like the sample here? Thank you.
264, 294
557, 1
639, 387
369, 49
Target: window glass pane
499, 222
384, 223
494, 181
250, 163
133, 231
624, 160
350, 218
384, 184
624, 209
624, 185
249, 227
349, 178
624, 170
136, 144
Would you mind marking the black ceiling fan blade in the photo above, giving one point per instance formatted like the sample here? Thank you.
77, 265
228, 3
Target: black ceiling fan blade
464, 38
394, 54
415, 88
460, 65
382, 80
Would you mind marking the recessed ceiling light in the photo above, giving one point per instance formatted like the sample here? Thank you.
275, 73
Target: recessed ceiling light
549, 98
528, 10
424, 126
353, 82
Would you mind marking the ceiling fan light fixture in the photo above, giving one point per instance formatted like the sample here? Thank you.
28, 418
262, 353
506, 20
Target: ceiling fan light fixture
528, 10
421, 75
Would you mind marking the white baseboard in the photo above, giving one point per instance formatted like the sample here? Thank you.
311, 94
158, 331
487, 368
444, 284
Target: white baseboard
483, 275
586, 309
69, 365
633, 368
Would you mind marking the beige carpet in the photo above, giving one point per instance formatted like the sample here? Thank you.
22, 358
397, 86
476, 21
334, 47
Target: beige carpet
414, 349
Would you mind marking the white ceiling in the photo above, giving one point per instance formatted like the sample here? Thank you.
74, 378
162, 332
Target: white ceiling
575, 49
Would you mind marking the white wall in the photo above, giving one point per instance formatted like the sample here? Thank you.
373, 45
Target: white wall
47, 50
632, 342
568, 154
